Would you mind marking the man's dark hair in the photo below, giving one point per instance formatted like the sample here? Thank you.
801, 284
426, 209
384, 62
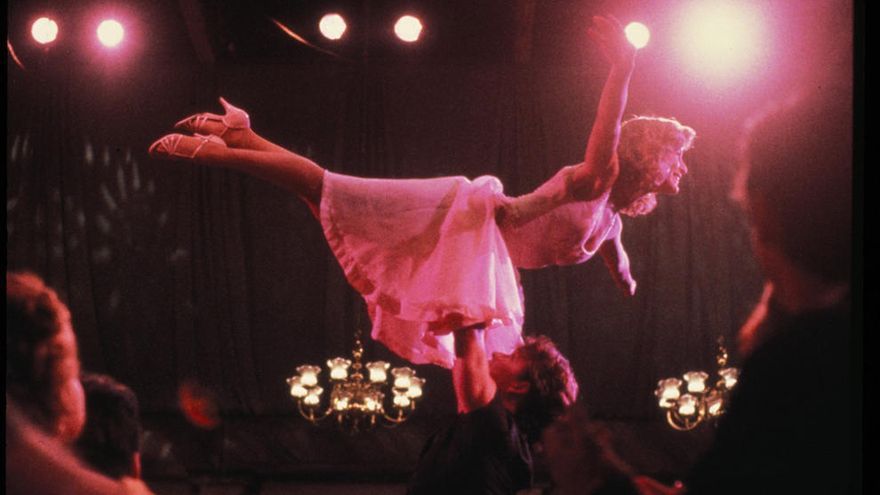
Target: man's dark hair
553, 387
112, 434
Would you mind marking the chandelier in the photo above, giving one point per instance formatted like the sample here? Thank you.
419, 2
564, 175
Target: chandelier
699, 402
357, 397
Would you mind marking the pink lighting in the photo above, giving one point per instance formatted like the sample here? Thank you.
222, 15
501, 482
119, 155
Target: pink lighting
637, 34
110, 33
722, 39
332, 26
44, 30
408, 28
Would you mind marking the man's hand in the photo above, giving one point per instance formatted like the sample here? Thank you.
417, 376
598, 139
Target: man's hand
574, 448
650, 486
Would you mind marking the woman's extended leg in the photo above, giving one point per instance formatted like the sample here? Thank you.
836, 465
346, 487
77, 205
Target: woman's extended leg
281, 167
234, 128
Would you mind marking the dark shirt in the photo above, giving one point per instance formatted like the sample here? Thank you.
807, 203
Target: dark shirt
482, 452
788, 428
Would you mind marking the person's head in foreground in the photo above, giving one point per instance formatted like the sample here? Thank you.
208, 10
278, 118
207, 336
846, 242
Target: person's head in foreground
538, 380
795, 182
110, 442
42, 365
651, 157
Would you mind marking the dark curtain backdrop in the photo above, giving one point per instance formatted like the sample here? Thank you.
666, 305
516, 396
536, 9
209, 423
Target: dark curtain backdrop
178, 274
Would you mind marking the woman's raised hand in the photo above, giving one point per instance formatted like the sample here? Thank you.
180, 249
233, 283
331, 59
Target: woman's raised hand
607, 32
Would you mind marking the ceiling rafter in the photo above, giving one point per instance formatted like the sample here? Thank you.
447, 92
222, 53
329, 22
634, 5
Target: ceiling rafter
196, 27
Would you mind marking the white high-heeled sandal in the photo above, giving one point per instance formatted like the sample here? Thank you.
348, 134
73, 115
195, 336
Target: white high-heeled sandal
235, 118
173, 146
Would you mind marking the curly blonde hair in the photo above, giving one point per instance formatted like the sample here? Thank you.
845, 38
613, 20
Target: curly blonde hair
642, 141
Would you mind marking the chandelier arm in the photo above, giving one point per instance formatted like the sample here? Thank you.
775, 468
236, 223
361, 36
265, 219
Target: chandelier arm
309, 413
400, 418
679, 423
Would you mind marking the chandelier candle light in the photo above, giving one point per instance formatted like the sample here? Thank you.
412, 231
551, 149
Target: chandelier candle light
357, 397
699, 402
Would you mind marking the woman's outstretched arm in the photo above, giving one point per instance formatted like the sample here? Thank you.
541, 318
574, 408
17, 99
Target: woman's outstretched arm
599, 170
596, 175
616, 260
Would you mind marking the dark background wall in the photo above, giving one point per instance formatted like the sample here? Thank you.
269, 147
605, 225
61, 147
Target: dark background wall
181, 275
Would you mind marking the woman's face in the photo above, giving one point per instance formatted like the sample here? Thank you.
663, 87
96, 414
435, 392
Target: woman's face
672, 169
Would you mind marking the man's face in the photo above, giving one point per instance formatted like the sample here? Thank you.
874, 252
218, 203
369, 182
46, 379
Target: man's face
507, 369
764, 237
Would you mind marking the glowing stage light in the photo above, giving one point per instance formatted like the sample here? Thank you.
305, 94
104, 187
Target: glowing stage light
637, 34
44, 30
722, 38
332, 26
408, 28
110, 33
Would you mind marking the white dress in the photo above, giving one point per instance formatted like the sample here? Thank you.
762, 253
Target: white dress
428, 255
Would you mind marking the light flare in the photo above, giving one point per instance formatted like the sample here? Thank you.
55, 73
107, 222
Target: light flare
111, 33
638, 34
44, 30
723, 39
332, 26
408, 28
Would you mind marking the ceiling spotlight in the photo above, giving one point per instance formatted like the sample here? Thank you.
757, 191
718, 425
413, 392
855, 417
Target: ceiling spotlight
44, 30
332, 26
408, 28
110, 33
637, 34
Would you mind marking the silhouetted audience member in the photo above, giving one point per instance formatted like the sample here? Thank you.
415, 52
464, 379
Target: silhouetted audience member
45, 404
110, 442
42, 365
789, 427
39, 464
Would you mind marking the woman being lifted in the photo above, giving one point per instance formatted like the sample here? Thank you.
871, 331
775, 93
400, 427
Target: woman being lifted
433, 255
